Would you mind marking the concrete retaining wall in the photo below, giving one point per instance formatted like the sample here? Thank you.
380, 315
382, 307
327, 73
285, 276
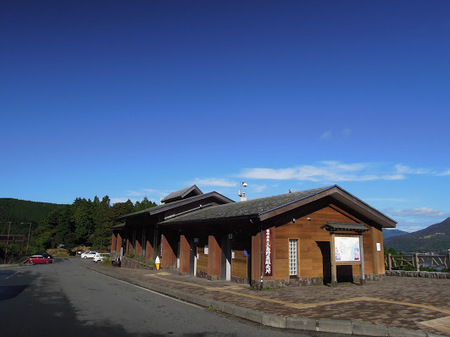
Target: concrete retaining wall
426, 274
130, 263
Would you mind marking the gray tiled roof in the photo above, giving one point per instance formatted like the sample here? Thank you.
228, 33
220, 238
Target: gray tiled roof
180, 194
174, 204
344, 226
248, 208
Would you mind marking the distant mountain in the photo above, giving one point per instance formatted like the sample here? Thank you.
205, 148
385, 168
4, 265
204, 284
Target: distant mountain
21, 212
434, 238
389, 233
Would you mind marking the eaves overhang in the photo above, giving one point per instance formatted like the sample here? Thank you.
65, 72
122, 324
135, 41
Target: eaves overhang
345, 227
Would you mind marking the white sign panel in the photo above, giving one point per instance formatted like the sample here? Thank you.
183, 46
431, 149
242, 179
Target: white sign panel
347, 249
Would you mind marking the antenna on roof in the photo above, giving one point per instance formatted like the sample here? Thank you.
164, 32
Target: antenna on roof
241, 193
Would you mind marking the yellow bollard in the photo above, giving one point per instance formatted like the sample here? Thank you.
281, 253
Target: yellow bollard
157, 262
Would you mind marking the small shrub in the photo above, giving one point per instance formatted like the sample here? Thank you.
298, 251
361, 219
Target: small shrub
107, 262
58, 252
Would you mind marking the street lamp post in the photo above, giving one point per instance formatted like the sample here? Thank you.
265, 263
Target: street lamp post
241, 192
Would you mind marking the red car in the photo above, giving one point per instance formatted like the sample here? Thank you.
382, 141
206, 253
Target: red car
40, 259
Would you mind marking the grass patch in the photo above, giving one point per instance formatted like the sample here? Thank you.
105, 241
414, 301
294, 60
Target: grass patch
148, 262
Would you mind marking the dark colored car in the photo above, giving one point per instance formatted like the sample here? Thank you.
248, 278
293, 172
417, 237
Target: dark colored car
44, 254
39, 258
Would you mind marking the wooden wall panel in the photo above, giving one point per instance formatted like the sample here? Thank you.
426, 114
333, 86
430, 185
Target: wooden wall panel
379, 267
214, 256
114, 242
239, 264
256, 257
312, 239
185, 251
148, 250
168, 258
368, 252
202, 261
138, 246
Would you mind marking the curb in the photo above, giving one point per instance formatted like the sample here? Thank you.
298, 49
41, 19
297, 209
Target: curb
346, 327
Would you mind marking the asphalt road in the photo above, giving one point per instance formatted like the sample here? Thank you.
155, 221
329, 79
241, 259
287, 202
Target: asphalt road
65, 299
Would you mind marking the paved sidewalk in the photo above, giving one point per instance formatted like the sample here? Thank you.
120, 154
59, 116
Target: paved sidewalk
395, 306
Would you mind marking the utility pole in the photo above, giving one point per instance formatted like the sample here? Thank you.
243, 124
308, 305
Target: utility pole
7, 241
29, 235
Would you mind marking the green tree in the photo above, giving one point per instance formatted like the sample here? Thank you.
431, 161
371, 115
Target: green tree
83, 218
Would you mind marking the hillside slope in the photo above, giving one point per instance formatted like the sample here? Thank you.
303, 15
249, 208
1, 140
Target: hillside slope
18, 211
431, 239
389, 233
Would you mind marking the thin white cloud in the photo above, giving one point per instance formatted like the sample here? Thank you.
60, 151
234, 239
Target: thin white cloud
215, 182
403, 169
329, 171
335, 171
258, 188
393, 177
422, 211
445, 173
387, 200
134, 196
411, 226
346, 132
151, 191
118, 200
135, 193
146, 192
326, 135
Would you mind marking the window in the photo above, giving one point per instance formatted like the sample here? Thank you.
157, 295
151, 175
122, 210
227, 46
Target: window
293, 257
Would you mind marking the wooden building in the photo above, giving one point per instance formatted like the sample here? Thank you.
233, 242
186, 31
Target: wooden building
141, 234
316, 236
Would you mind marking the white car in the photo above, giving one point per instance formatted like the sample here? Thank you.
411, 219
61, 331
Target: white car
89, 254
100, 257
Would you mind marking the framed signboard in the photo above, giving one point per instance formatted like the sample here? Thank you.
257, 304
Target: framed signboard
347, 249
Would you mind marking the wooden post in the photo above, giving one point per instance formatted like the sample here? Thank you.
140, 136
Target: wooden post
417, 262
7, 241
28, 241
390, 261
448, 261
333, 261
362, 279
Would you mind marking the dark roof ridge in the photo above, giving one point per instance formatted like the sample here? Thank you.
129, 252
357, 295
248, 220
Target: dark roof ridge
163, 207
319, 190
255, 207
181, 194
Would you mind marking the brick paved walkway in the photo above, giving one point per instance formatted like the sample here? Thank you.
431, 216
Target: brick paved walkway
411, 303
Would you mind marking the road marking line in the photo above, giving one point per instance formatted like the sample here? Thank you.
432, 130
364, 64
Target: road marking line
11, 275
152, 291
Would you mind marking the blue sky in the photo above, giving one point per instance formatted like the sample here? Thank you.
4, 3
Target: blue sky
140, 98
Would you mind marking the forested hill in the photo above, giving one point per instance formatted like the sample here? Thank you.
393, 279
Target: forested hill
84, 222
21, 211
435, 238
